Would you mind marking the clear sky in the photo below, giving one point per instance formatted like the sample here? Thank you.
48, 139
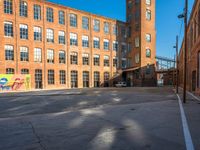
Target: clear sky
167, 23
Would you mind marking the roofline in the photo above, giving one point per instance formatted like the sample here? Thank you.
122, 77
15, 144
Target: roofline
81, 11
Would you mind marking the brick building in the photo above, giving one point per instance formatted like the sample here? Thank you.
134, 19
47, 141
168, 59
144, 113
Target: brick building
61, 47
193, 51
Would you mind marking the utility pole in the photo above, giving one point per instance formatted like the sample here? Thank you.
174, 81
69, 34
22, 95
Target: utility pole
177, 62
185, 52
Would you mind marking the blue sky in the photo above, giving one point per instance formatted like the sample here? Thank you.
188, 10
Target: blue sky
167, 24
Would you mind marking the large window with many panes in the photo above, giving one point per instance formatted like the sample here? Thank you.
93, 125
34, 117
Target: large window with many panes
23, 9
51, 78
62, 57
74, 58
8, 6
50, 35
37, 33
37, 12
106, 27
24, 55
85, 58
96, 42
10, 71
73, 20
115, 62
106, 61
85, 41
115, 45
62, 75
96, 60
24, 71
37, 55
50, 56
74, 79
61, 37
61, 17
49, 14
96, 25
85, 23
73, 39
85, 79
106, 44
8, 29
9, 52
23, 31
115, 30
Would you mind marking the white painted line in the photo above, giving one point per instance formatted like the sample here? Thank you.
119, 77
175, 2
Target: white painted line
193, 96
186, 131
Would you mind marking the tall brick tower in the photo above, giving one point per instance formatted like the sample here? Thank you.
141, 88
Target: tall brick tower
141, 41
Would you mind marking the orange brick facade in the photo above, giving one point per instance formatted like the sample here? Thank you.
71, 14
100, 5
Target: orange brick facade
193, 52
15, 41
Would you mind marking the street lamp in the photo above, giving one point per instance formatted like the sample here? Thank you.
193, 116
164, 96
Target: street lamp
184, 15
177, 71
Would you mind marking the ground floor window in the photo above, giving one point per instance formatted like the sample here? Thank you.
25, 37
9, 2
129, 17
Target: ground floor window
74, 79
10, 71
24, 71
85, 79
51, 77
62, 77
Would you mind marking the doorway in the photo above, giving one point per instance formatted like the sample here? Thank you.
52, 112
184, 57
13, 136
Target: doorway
38, 79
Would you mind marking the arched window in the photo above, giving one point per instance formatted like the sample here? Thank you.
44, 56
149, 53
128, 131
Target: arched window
10, 71
8, 6
148, 53
23, 8
24, 71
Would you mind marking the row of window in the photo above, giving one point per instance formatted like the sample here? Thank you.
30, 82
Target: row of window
62, 77
8, 9
24, 56
8, 32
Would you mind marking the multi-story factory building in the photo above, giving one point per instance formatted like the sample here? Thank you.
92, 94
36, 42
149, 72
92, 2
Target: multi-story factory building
61, 47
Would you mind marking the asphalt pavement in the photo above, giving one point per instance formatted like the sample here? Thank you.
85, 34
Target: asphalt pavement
96, 119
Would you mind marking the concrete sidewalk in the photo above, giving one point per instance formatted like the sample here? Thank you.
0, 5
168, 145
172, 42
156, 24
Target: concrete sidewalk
192, 111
